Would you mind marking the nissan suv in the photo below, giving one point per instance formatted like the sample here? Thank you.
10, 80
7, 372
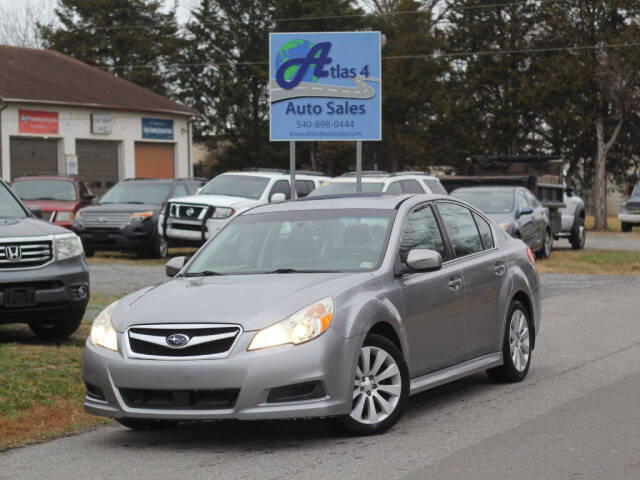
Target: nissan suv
192, 220
44, 278
126, 217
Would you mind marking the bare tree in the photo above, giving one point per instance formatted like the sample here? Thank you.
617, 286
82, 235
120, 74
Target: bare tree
19, 22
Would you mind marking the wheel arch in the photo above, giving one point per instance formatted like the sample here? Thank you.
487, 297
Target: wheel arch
386, 330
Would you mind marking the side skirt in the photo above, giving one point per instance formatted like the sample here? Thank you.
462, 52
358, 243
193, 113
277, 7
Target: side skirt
449, 374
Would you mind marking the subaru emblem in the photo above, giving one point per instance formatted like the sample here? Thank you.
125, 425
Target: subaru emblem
177, 340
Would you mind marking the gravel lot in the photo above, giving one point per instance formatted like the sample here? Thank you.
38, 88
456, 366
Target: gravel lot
575, 416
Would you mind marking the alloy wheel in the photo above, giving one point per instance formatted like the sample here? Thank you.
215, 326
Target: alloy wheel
377, 387
547, 244
519, 344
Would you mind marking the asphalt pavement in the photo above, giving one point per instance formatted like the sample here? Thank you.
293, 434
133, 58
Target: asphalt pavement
576, 416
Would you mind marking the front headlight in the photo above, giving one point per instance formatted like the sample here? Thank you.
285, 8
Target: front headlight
302, 326
102, 332
64, 216
67, 245
140, 216
222, 212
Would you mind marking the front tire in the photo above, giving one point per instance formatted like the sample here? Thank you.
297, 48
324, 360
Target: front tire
516, 346
380, 390
578, 236
547, 245
626, 227
57, 331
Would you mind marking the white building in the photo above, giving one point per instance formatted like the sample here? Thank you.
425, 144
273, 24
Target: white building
61, 116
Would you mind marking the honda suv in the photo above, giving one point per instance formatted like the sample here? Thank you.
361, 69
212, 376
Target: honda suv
44, 279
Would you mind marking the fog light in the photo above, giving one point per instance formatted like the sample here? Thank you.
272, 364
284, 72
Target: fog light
83, 291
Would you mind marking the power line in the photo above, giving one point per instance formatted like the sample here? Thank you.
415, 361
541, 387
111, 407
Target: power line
434, 55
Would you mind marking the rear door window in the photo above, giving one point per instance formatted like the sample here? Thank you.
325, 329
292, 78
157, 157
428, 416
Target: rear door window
434, 185
395, 187
411, 186
485, 231
461, 228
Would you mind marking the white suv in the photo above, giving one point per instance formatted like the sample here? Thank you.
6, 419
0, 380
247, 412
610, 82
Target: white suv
192, 220
382, 182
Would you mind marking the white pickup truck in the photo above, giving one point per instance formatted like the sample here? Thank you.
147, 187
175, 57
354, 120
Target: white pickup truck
192, 220
572, 215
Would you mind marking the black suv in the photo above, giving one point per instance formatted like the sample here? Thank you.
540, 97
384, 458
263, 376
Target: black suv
44, 278
126, 217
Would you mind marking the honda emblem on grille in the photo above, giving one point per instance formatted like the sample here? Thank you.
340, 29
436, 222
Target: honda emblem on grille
190, 212
13, 253
177, 340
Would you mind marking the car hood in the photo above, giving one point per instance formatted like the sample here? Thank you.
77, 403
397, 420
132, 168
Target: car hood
51, 205
121, 207
218, 201
252, 301
501, 217
28, 227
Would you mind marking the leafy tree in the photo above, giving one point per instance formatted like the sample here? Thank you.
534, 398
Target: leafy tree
132, 39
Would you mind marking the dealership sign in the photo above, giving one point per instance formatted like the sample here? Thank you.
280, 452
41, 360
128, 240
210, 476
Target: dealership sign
157, 128
325, 86
101, 124
34, 121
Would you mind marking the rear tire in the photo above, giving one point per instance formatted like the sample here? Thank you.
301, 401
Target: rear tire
381, 388
578, 235
626, 227
516, 346
56, 331
144, 425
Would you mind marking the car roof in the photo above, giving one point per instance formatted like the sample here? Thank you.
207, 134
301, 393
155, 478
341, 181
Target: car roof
70, 178
283, 175
344, 201
382, 178
492, 188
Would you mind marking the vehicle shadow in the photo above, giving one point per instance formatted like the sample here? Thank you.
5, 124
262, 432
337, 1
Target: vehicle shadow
263, 437
19, 333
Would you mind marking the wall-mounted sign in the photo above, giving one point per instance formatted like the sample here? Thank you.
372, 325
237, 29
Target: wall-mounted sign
101, 124
325, 86
72, 165
157, 128
34, 121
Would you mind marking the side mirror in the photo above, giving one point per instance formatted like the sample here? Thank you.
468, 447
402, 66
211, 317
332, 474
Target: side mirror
278, 197
424, 260
36, 211
173, 266
569, 191
89, 197
525, 211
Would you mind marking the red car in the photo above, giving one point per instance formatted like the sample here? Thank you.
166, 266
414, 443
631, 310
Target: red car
59, 197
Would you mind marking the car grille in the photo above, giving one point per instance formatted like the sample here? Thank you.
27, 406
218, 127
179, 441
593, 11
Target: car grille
187, 212
205, 340
105, 220
24, 254
180, 399
633, 207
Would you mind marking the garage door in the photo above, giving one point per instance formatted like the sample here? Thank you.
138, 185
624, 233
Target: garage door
154, 160
98, 163
33, 156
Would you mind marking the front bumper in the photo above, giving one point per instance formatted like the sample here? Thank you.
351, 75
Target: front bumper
194, 232
329, 360
57, 296
629, 217
128, 238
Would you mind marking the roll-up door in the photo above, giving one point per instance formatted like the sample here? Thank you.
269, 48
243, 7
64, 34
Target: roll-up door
154, 160
98, 163
33, 156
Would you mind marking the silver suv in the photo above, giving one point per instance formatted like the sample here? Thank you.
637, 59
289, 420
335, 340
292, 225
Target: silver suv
338, 307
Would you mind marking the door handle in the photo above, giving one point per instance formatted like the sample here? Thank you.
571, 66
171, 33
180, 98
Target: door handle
455, 284
499, 269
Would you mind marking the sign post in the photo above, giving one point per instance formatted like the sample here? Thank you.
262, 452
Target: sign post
325, 86
292, 168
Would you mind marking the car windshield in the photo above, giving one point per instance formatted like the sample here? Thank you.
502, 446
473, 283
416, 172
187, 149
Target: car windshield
636, 191
62, 190
336, 188
246, 186
308, 241
487, 201
9, 206
136, 192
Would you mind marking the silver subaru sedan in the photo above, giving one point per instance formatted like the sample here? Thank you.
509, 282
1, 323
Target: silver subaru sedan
323, 307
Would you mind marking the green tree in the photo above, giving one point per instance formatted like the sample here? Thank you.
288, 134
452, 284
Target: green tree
132, 39
225, 73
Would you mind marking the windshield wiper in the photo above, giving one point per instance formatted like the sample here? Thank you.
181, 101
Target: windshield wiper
45, 198
296, 270
204, 273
